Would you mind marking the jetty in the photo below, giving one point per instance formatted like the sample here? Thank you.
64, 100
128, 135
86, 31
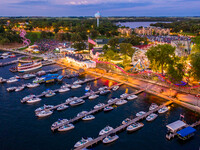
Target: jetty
8, 63
93, 111
121, 127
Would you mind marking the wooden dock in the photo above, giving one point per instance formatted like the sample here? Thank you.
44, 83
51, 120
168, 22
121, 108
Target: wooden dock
8, 63
121, 127
94, 110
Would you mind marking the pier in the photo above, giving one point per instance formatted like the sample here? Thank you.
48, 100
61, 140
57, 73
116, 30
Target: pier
121, 127
8, 63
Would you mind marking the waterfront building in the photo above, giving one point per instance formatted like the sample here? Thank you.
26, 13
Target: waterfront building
152, 31
125, 31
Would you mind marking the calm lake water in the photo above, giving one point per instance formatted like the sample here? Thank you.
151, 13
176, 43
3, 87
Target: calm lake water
20, 129
137, 24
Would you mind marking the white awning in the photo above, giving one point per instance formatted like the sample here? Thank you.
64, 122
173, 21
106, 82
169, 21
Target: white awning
176, 125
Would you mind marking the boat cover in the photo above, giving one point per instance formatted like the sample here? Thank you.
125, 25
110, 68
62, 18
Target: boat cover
176, 125
186, 131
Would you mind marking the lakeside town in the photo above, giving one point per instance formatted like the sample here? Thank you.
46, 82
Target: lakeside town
162, 59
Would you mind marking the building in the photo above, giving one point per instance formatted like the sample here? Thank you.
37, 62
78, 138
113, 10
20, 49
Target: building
152, 31
125, 31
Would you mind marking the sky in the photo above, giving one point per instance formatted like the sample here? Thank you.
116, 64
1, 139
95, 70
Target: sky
62, 8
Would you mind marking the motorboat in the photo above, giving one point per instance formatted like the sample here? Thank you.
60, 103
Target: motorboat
50, 94
125, 121
99, 105
62, 90
32, 85
103, 88
71, 99
87, 88
43, 108
40, 73
115, 88
163, 110
105, 130
112, 100
110, 139
121, 102
77, 102
134, 127
62, 107
151, 117
124, 95
28, 76
82, 113
88, 117
93, 96
82, 142
33, 100
11, 80
2, 80
131, 97
39, 80
89, 93
75, 86
20, 88
12, 56
78, 82
17, 77
66, 127
5, 54
57, 123
66, 85
10, 89
104, 92
108, 108
44, 113
141, 113
153, 106
27, 98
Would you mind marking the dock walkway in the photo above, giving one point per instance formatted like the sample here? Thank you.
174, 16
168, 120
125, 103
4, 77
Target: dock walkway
8, 63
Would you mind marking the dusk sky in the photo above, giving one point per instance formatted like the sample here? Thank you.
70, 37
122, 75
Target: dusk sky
106, 7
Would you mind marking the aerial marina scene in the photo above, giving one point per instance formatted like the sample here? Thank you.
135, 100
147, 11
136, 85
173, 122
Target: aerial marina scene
101, 82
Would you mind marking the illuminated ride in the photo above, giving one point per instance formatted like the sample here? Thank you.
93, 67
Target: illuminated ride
24, 39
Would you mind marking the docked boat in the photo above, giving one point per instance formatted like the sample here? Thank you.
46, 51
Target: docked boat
29, 66
88, 117
121, 102
125, 121
153, 106
33, 100
131, 97
70, 99
43, 108
99, 105
39, 80
110, 139
10, 89
41, 73
62, 90
104, 92
89, 93
28, 76
11, 80
50, 94
5, 54
87, 88
163, 110
60, 78
57, 123
2, 80
151, 117
62, 107
134, 127
75, 86
82, 142
12, 56
32, 85
124, 95
103, 88
77, 102
78, 82
112, 100
82, 113
27, 98
108, 108
105, 130
66, 127
115, 88
66, 85
20, 88
93, 96
141, 113
44, 113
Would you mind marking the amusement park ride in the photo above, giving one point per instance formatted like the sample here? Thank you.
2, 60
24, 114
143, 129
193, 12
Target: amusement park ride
24, 39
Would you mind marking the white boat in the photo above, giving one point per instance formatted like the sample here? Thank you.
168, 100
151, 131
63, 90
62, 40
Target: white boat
87, 88
82, 142
29, 66
28, 76
104, 92
151, 117
62, 107
44, 113
20, 88
27, 98
112, 100
131, 97
153, 106
33, 100
66, 127
82, 113
75, 86
77, 102
5, 54
66, 85
93, 96
89, 117
57, 123
99, 105
32, 85
2, 80
39, 80
125, 121
134, 127
11, 80
108, 108
44, 107
78, 82
11, 89
50, 94
121, 102
110, 139
40, 73
89, 93
163, 110
62, 90
115, 88
103, 88
124, 95
71, 99
141, 113
105, 130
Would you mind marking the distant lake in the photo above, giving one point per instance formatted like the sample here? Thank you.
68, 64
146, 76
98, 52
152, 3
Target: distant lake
137, 24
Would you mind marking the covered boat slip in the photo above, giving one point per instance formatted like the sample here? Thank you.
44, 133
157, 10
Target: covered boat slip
186, 133
177, 125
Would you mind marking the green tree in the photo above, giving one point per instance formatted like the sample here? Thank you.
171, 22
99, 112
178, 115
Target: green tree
105, 47
79, 45
91, 46
176, 72
76, 38
195, 62
113, 42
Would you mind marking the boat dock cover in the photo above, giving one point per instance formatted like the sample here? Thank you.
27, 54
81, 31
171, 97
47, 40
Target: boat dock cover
186, 131
176, 125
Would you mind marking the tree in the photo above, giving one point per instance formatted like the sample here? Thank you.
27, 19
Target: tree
176, 72
56, 30
195, 62
113, 42
126, 49
161, 55
94, 34
76, 38
79, 46
105, 47
91, 46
